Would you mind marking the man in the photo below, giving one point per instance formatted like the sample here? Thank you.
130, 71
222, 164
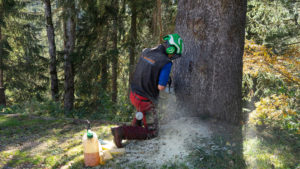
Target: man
150, 77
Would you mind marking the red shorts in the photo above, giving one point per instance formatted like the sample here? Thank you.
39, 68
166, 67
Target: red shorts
142, 104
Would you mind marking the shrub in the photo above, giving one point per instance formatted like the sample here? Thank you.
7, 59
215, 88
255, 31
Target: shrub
277, 111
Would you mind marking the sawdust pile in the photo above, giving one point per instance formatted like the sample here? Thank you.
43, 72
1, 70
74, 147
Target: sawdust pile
175, 135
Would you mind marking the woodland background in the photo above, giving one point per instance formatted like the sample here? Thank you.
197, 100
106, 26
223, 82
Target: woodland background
100, 44
76, 61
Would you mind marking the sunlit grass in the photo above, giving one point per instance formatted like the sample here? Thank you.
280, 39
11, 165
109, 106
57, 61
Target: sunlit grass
55, 143
258, 153
37, 143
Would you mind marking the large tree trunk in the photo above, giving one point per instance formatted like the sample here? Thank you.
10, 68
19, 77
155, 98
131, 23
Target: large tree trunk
2, 89
68, 57
52, 50
115, 55
208, 77
133, 37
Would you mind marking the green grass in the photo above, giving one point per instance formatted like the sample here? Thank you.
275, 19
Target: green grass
20, 158
271, 150
26, 142
38, 143
217, 152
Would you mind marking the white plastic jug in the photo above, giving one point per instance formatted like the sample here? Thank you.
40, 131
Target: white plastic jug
91, 149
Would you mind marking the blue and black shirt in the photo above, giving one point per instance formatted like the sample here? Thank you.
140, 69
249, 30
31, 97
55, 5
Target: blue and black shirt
153, 68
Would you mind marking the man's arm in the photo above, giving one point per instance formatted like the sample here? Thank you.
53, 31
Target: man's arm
164, 76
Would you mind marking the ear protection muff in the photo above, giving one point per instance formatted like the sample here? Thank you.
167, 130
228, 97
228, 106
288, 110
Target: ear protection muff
170, 49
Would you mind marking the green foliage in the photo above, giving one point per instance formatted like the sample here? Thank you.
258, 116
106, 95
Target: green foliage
26, 74
276, 104
268, 84
277, 112
264, 84
274, 23
24, 67
35, 107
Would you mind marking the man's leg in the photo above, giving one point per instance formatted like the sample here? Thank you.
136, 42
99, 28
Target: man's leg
141, 106
135, 132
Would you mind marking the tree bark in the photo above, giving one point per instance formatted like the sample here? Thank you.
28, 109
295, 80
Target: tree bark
154, 23
115, 55
2, 89
104, 60
68, 56
52, 50
158, 5
133, 37
208, 77
157, 22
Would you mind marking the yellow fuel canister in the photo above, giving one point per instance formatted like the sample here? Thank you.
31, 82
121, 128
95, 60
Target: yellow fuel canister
91, 149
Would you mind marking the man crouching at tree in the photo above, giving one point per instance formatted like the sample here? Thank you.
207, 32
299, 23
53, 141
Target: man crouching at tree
151, 75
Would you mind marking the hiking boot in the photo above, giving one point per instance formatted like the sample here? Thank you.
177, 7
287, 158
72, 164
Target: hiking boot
137, 133
131, 133
117, 132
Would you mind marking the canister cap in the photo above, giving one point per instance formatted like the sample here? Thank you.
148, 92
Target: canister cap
89, 134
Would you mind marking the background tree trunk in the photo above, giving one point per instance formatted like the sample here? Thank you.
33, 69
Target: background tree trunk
157, 22
69, 49
154, 23
208, 77
115, 54
52, 50
2, 89
104, 58
133, 38
158, 5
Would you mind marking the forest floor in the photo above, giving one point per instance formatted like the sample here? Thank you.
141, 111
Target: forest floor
28, 141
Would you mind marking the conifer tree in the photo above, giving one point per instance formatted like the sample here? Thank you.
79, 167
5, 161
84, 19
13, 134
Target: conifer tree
52, 50
133, 38
208, 77
24, 66
69, 32
115, 4
5, 9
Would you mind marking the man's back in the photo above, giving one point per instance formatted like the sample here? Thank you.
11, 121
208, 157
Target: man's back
146, 75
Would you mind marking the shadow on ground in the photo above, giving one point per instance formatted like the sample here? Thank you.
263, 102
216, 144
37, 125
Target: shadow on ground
28, 142
224, 149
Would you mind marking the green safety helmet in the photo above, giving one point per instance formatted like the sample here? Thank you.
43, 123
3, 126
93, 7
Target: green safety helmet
174, 45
